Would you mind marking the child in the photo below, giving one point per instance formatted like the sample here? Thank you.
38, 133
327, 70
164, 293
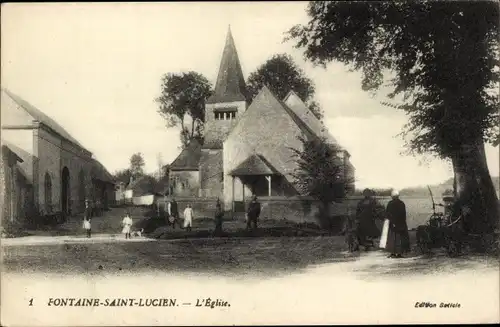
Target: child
87, 227
188, 218
127, 225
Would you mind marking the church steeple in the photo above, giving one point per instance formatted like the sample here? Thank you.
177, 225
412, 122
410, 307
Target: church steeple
230, 84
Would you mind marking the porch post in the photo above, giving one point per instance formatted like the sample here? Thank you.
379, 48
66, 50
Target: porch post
232, 196
243, 192
269, 184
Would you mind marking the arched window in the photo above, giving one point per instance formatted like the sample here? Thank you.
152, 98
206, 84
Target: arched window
48, 193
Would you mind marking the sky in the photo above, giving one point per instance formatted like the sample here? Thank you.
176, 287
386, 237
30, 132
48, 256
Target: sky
96, 69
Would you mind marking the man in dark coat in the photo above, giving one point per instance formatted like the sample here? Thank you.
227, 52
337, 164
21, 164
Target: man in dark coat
173, 213
253, 213
398, 238
367, 211
219, 214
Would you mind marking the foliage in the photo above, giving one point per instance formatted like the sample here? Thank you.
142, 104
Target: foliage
137, 165
443, 57
282, 75
319, 171
184, 95
146, 184
123, 176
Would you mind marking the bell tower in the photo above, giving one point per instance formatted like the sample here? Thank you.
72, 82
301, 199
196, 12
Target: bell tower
222, 112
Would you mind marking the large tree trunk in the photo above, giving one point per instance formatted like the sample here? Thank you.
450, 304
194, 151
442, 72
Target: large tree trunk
474, 188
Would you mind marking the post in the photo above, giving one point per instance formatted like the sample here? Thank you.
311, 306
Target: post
232, 195
243, 193
269, 185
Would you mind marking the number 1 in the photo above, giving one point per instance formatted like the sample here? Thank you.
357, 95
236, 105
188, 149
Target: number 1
31, 302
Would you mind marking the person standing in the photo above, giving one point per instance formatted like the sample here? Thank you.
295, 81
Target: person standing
87, 227
173, 212
398, 238
367, 211
127, 225
188, 218
219, 214
253, 213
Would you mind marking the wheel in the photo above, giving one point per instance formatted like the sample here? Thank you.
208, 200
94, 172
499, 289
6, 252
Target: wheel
423, 239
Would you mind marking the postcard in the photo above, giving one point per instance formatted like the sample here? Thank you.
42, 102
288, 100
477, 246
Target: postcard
249, 163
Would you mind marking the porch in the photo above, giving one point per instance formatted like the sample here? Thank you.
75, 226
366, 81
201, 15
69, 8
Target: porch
256, 176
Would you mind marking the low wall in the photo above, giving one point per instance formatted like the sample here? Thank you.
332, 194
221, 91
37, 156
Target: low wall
303, 209
145, 200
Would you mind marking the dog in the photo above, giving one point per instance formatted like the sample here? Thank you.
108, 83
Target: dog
351, 235
138, 233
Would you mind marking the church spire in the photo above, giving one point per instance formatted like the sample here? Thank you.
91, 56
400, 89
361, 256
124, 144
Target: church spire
230, 84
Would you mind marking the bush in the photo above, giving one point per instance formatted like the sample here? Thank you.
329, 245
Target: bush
13, 229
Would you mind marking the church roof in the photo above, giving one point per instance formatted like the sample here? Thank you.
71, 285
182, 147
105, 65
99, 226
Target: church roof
299, 108
189, 158
230, 84
254, 165
41, 117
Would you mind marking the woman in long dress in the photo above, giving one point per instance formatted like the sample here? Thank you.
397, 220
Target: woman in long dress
127, 225
398, 240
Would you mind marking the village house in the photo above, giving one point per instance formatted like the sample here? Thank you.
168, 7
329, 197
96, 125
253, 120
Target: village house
45, 170
247, 147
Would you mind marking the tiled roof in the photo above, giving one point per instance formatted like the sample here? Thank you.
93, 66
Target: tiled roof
298, 107
25, 156
189, 158
230, 84
41, 117
254, 165
100, 172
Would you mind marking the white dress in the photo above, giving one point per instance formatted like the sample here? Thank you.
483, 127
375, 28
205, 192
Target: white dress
127, 225
385, 234
188, 217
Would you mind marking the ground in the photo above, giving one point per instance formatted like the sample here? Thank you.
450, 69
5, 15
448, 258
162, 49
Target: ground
267, 280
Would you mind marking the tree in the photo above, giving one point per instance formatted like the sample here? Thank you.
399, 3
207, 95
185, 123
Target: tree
282, 75
137, 165
123, 176
184, 95
441, 59
319, 174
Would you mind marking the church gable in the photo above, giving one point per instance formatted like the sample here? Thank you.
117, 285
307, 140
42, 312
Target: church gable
268, 129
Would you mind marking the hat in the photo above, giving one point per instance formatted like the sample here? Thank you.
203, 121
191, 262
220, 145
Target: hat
394, 193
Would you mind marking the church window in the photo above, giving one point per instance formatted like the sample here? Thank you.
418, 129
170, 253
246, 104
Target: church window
225, 114
48, 193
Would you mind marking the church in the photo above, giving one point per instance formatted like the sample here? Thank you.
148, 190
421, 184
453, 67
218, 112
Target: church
44, 170
247, 148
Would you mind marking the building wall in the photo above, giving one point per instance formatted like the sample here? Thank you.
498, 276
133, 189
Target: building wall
219, 129
266, 129
54, 154
211, 173
185, 183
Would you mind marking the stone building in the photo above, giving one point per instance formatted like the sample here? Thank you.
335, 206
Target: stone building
247, 147
184, 171
57, 172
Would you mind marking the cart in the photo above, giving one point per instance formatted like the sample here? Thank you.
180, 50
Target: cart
442, 230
